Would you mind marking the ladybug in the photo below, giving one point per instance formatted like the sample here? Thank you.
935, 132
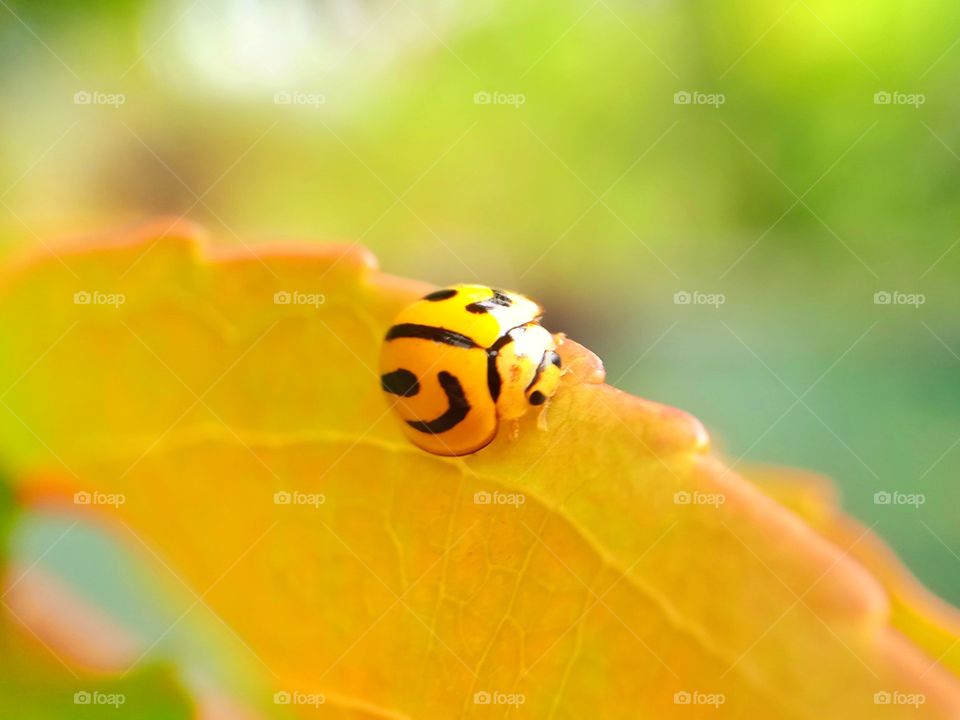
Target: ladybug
460, 359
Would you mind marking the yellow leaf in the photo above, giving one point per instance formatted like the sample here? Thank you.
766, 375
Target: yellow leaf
607, 566
916, 612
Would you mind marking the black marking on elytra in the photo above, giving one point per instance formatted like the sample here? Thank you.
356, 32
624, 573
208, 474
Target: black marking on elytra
457, 407
499, 299
428, 332
438, 295
400, 382
501, 342
494, 381
537, 398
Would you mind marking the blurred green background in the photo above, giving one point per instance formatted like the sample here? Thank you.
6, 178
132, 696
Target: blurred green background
547, 147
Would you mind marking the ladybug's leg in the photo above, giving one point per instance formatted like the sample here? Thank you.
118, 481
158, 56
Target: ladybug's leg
542, 417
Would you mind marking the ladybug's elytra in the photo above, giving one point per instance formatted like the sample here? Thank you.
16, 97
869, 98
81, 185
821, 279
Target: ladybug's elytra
459, 360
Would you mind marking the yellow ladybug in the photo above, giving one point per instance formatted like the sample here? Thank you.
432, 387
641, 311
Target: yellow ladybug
459, 360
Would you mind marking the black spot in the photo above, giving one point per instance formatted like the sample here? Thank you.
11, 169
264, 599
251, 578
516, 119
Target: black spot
428, 332
438, 295
537, 398
494, 381
400, 382
457, 407
555, 359
500, 298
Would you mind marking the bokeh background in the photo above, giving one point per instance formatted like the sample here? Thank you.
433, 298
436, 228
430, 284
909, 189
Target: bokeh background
549, 147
